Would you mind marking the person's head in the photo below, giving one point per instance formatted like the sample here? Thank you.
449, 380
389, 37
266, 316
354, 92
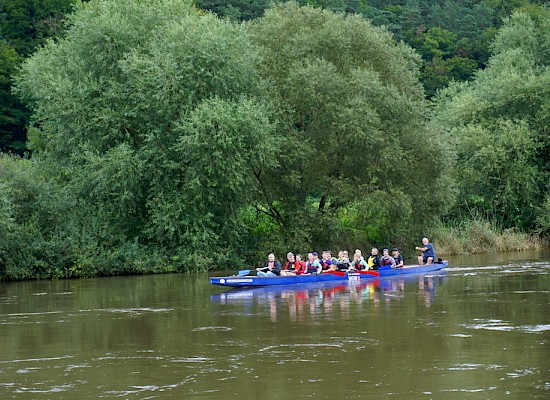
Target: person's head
395, 251
357, 251
271, 257
311, 257
346, 255
340, 254
290, 256
356, 256
374, 251
386, 252
315, 255
298, 257
425, 241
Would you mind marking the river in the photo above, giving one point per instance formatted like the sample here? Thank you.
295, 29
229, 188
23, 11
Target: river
479, 330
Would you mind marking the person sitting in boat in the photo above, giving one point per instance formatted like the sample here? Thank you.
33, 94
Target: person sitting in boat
271, 268
428, 252
326, 262
333, 259
358, 263
373, 260
294, 266
300, 265
342, 263
290, 266
316, 256
312, 265
399, 262
386, 260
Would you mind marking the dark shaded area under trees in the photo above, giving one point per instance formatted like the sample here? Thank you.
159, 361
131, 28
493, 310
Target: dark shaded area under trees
25, 25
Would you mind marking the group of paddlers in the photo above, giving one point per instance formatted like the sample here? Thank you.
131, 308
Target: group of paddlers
295, 265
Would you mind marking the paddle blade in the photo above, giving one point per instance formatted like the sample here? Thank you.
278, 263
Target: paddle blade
244, 272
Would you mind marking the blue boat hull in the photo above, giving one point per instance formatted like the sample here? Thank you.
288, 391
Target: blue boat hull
247, 281
413, 269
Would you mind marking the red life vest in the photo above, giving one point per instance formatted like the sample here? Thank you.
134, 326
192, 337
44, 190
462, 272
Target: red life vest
300, 267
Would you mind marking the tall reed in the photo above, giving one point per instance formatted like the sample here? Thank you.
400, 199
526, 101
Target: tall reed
479, 236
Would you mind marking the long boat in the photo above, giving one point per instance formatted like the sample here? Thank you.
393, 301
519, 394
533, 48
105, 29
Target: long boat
333, 276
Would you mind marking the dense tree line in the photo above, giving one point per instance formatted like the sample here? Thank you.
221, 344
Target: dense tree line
500, 125
452, 36
167, 139
24, 26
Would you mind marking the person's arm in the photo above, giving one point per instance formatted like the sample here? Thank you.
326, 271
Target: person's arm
277, 267
421, 248
319, 267
400, 263
265, 268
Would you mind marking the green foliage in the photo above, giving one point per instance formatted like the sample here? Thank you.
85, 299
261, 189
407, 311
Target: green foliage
499, 123
34, 237
543, 217
25, 25
476, 235
470, 26
166, 139
352, 110
498, 172
150, 114
237, 10
12, 113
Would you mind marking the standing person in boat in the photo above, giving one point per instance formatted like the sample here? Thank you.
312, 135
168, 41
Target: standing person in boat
343, 263
386, 260
312, 264
428, 252
271, 268
373, 260
399, 262
358, 263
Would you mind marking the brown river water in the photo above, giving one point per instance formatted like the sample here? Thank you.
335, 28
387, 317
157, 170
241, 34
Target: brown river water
478, 330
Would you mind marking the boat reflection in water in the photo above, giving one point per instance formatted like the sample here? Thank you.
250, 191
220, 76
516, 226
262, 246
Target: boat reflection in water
326, 297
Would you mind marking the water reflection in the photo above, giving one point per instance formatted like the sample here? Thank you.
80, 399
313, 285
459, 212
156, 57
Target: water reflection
301, 302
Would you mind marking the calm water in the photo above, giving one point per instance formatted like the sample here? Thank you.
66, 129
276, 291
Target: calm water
481, 330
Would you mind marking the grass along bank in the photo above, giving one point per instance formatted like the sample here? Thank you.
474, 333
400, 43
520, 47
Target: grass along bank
477, 236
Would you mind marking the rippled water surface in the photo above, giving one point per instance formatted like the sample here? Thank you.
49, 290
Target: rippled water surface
479, 330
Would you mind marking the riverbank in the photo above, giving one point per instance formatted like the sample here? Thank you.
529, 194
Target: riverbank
477, 237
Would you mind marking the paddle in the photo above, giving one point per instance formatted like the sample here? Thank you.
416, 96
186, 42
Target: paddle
243, 272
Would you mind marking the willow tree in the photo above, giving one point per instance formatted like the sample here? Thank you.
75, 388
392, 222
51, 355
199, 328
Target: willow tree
499, 125
358, 155
151, 114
